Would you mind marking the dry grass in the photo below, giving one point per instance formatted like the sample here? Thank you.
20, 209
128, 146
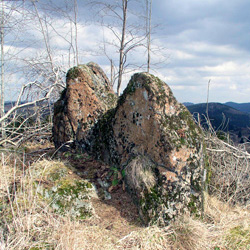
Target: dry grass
223, 227
32, 146
228, 226
140, 174
27, 222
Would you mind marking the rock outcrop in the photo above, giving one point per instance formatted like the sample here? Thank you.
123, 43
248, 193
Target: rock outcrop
147, 135
155, 141
87, 96
65, 192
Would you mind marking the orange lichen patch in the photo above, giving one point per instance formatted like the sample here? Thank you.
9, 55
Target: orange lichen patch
88, 96
142, 131
170, 176
179, 158
153, 138
181, 133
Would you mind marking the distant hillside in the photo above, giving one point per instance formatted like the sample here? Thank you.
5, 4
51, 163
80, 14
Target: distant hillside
243, 107
188, 104
235, 118
9, 104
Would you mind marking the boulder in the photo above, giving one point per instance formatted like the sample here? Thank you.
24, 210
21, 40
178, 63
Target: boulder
154, 140
86, 97
64, 191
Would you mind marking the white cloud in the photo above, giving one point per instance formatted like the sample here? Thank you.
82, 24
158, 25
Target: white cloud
202, 40
233, 87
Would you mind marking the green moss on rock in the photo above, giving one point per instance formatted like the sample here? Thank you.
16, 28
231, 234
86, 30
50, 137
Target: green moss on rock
64, 192
238, 238
111, 99
70, 197
171, 162
73, 73
192, 205
150, 203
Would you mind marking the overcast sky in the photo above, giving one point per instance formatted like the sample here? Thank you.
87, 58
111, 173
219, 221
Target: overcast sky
207, 39
203, 40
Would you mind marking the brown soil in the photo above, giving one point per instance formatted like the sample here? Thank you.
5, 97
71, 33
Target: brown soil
119, 215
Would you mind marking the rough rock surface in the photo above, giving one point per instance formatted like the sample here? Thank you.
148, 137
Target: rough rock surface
87, 96
154, 139
63, 190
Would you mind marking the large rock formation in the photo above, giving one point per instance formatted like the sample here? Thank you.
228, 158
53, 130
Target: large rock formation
155, 140
148, 135
87, 96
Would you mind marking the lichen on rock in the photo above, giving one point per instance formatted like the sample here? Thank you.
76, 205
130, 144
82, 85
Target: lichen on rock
150, 134
65, 193
147, 134
87, 96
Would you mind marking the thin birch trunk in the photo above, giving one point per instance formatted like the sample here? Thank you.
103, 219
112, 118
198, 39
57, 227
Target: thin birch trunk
76, 31
112, 73
44, 36
121, 59
149, 13
2, 72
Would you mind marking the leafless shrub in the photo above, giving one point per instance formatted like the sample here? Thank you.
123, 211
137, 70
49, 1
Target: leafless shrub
229, 167
30, 116
230, 171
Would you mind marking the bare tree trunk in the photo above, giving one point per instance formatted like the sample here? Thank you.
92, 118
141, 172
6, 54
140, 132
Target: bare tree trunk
149, 14
2, 71
72, 46
121, 59
45, 37
76, 30
125, 39
111, 73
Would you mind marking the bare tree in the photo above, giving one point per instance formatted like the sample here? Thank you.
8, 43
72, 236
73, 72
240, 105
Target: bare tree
112, 68
6, 22
152, 48
148, 31
2, 70
76, 30
68, 10
126, 36
25, 117
44, 31
122, 55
